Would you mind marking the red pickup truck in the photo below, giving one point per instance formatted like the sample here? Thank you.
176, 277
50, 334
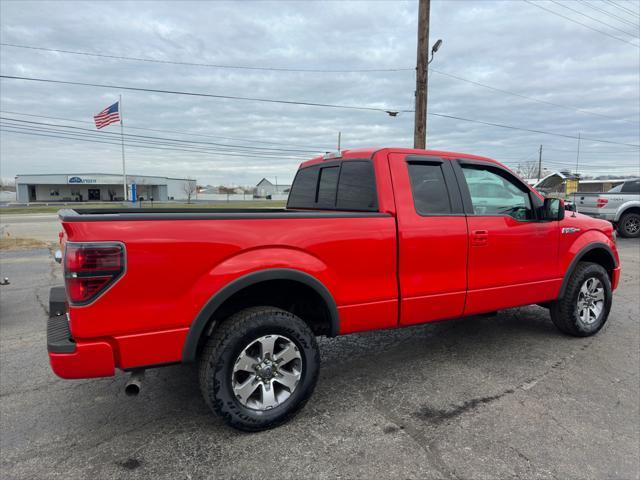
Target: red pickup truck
370, 239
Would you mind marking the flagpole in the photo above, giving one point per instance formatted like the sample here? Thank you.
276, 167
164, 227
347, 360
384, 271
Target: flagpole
124, 170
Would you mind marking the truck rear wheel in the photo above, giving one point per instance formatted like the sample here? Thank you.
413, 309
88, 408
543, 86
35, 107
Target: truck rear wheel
629, 225
259, 368
585, 306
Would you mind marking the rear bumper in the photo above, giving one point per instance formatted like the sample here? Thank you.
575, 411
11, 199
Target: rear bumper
71, 359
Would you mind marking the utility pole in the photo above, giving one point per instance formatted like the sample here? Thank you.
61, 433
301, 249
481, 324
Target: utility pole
339, 138
577, 163
422, 79
540, 163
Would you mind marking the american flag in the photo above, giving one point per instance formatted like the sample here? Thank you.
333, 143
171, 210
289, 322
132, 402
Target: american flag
108, 116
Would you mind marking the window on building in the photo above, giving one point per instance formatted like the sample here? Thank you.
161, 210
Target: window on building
430, 194
54, 192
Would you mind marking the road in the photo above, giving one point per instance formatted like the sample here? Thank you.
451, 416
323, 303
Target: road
476, 398
40, 226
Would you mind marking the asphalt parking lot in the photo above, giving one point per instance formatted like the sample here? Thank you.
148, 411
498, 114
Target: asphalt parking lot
502, 397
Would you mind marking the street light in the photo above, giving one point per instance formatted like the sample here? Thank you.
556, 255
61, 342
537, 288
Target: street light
434, 49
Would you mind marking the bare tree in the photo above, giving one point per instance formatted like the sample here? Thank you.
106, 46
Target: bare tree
527, 170
189, 188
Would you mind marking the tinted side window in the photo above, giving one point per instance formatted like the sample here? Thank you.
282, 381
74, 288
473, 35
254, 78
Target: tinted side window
327, 187
357, 187
494, 194
632, 186
430, 195
303, 190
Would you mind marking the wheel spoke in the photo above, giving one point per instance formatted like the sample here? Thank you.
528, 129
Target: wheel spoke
288, 379
246, 388
585, 313
599, 295
584, 290
245, 363
591, 284
268, 396
267, 344
285, 356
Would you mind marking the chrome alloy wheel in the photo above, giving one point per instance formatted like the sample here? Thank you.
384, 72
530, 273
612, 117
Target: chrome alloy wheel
590, 300
267, 372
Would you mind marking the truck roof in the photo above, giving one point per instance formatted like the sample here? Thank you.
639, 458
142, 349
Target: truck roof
369, 152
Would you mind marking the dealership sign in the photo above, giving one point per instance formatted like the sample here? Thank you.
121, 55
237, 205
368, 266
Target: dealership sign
76, 179
94, 180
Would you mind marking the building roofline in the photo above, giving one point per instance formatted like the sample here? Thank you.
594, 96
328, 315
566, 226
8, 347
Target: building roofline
99, 173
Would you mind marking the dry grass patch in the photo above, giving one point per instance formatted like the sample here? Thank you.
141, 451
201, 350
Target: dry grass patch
11, 243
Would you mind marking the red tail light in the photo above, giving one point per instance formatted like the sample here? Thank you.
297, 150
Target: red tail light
90, 268
601, 202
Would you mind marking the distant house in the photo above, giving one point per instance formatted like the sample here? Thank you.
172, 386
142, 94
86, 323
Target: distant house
265, 188
565, 183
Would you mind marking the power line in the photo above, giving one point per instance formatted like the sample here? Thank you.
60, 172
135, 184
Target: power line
510, 127
473, 82
212, 65
209, 95
90, 137
593, 18
533, 99
260, 149
148, 140
610, 14
137, 144
624, 9
312, 104
580, 23
180, 132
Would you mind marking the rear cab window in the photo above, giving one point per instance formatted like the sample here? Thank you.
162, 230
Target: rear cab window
344, 185
430, 193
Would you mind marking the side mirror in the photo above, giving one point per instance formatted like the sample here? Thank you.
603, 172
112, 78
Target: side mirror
553, 209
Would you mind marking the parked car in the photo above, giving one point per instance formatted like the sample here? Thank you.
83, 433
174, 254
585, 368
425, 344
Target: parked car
370, 239
620, 205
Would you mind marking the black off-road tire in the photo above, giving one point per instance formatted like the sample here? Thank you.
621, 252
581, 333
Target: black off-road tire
628, 226
226, 344
564, 311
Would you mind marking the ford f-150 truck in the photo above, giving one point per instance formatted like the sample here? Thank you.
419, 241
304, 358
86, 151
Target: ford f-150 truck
620, 205
370, 239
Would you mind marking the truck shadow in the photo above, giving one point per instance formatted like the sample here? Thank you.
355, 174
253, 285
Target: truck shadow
358, 362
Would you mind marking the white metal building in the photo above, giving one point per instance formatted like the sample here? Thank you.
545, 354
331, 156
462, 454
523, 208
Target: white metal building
265, 187
85, 187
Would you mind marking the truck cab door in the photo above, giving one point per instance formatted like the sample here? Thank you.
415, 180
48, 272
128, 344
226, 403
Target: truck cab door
513, 254
432, 238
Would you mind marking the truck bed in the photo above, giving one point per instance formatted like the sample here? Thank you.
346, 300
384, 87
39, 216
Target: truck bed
124, 214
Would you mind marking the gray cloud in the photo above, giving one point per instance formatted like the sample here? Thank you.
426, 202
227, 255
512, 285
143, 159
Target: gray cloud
510, 45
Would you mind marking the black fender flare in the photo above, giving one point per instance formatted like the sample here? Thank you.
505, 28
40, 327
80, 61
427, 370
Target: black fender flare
579, 256
206, 312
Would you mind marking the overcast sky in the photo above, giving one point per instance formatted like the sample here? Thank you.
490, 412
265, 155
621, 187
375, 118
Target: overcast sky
507, 45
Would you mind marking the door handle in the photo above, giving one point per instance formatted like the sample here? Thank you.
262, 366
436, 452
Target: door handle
479, 238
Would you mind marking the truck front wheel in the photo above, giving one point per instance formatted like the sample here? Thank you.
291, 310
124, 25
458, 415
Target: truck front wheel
584, 308
259, 368
629, 225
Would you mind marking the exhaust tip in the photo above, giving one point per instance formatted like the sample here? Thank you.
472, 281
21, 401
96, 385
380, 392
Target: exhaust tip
134, 384
132, 389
